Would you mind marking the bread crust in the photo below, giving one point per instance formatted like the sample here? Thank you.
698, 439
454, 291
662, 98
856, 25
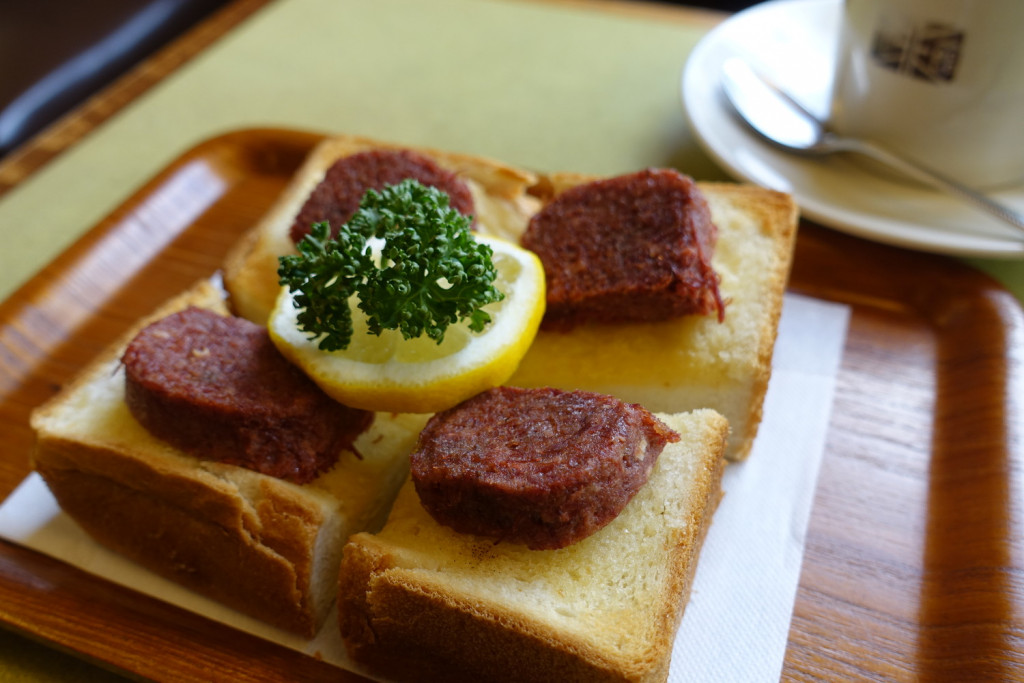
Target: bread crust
257, 562
264, 546
779, 216
502, 208
402, 615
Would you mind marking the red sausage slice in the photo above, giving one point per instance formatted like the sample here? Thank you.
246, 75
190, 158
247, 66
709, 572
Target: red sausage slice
336, 198
636, 247
217, 388
541, 467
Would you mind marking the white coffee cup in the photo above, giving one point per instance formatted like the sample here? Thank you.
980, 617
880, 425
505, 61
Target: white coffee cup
940, 82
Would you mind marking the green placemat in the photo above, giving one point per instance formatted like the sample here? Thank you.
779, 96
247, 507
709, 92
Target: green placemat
542, 86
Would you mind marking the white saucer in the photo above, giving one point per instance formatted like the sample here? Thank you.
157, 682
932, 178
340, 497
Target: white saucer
793, 41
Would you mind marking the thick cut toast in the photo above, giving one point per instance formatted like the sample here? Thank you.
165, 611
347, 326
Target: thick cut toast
502, 209
418, 601
694, 361
262, 545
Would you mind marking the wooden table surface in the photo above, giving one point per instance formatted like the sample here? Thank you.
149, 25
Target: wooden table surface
914, 568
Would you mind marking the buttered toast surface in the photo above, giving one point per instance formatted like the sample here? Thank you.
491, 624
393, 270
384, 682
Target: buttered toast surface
694, 361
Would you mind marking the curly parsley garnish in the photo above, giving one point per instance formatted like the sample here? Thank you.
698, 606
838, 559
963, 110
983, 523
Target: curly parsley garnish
431, 272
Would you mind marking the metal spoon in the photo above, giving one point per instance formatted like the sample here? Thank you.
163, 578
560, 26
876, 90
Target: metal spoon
782, 121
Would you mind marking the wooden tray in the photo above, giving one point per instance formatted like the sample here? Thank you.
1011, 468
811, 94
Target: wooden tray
914, 567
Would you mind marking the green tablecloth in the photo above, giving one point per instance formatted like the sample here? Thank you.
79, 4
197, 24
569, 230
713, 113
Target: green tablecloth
543, 86
549, 87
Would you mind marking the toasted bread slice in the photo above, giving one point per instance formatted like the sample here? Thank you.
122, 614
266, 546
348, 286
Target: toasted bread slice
264, 546
694, 361
250, 271
418, 601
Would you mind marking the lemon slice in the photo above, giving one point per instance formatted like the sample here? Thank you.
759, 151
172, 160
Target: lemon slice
389, 373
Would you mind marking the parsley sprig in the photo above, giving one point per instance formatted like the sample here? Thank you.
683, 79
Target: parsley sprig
431, 272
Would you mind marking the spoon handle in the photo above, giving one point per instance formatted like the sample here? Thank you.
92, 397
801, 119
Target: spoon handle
935, 179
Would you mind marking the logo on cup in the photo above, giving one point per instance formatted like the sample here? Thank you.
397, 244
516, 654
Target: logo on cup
929, 52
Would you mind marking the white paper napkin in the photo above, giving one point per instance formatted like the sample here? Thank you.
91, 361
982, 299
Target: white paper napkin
736, 625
